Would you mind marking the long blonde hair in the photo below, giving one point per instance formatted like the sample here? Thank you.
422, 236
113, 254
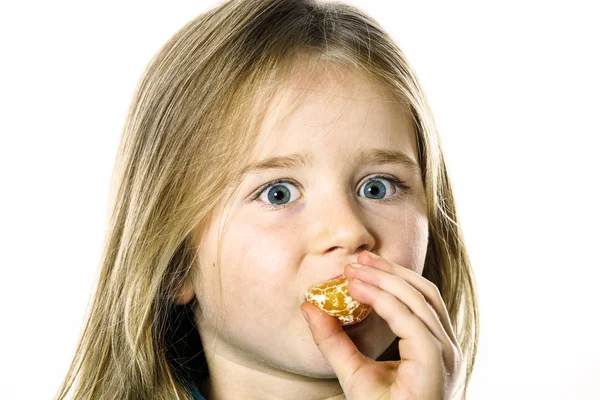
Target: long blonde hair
188, 130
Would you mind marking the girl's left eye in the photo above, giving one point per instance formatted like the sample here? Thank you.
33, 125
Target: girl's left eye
276, 195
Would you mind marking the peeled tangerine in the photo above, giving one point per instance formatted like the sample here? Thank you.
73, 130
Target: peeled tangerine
333, 298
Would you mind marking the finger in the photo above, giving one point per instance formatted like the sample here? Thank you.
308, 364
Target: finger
416, 341
405, 292
337, 348
423, 285
409, 297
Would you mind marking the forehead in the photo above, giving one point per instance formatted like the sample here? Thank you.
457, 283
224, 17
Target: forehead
332, 107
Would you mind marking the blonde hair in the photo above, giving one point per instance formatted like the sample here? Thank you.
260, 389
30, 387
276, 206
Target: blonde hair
189, 128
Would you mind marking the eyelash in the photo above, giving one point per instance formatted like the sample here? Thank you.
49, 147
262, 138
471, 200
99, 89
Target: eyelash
398, 183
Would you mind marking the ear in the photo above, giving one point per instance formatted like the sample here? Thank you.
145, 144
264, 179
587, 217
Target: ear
186, 293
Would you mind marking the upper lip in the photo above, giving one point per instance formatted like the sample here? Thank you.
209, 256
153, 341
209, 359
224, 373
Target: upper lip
342, 273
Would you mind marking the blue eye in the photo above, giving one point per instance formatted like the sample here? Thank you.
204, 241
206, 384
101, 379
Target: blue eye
378, 187
276, 195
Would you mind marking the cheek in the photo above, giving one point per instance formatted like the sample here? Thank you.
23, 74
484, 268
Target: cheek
255, 261
405, 239
257, 248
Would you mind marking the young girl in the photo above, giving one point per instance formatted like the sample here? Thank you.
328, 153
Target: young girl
293, 135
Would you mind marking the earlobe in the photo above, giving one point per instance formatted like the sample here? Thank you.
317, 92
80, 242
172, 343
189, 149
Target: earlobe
185, 294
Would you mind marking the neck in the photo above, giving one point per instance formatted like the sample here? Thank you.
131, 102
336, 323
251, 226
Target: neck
232, 379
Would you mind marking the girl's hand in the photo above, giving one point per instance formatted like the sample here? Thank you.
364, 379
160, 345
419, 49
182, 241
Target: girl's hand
413, 308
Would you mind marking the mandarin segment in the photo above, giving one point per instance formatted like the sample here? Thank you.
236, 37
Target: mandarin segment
333, 298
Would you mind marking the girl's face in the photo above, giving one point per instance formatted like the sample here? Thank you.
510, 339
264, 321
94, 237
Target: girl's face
340, 149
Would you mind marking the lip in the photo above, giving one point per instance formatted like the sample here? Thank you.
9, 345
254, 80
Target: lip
335, 277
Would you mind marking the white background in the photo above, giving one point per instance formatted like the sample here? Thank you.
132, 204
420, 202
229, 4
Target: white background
515, 89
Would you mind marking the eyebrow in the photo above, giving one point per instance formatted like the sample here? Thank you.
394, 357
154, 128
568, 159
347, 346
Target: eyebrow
368, 157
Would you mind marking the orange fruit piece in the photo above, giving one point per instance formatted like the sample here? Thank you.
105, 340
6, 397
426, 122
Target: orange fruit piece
333, 298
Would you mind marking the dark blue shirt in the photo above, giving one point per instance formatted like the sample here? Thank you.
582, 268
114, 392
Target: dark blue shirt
196, 393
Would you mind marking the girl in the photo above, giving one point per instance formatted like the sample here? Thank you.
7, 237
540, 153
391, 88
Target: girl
293, 134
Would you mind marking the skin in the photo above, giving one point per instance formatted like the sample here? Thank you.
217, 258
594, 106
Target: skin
258, 344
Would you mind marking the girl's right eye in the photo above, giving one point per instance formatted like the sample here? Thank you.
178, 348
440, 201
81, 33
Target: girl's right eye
276, 195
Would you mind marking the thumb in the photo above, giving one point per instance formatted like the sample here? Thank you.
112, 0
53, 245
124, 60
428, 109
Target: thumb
337, 348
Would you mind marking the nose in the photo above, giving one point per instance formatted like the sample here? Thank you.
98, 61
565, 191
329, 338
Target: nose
339, 226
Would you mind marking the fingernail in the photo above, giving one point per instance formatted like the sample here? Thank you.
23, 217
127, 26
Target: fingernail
372, 255
355, 265
305, 316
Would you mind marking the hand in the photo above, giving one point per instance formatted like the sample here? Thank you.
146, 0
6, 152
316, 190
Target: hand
414, 310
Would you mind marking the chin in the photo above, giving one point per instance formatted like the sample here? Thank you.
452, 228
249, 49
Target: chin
320, 374
314, 367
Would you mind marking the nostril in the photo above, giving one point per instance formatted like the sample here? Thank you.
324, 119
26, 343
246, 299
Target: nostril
362, 248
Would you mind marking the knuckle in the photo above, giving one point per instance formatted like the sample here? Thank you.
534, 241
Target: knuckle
433, 291
454, 360
439, 347
422, 296
458, 356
